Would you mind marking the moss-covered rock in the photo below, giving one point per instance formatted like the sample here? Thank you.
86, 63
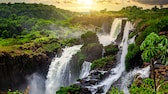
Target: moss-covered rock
92, 51
90, 37
111, 50
105, 63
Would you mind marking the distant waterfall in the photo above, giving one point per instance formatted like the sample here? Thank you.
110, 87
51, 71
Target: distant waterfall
59, 73
107, 39
85, 69
116, 28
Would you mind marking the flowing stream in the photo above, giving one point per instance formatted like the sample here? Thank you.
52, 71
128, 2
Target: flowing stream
58, 74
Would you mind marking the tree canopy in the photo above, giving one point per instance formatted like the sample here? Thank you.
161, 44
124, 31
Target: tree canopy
155, 47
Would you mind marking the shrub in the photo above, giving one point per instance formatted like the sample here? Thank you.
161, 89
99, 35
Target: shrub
73, 89
111, 49
147, 87
133, 57
100, 63
14, 92
115, 91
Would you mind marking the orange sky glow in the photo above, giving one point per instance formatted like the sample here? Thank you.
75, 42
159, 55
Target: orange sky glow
86, 5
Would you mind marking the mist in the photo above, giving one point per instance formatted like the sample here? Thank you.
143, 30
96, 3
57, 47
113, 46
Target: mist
36, 84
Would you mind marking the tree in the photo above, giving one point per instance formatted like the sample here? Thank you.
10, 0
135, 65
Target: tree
155, 48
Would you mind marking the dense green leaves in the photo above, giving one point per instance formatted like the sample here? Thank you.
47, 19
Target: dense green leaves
115, 91
73, 89
146, 87
155, 47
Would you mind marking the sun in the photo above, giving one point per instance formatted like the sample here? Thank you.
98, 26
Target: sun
86, 2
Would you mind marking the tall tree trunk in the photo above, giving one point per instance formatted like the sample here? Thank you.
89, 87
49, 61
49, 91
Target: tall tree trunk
153, 71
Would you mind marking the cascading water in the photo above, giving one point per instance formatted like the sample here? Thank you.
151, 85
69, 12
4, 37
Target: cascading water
85, 69
116, 28
116, 72
105, 38
58, 74
128, 78
36, 84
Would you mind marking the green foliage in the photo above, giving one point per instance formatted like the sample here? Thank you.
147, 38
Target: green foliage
155, 47
73, 89
115, 91
81, 57
147, 87
100, 63
111, 49
14, 92
88, 34
131, 57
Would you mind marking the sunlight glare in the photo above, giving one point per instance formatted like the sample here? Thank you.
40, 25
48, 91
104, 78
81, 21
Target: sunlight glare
87, 2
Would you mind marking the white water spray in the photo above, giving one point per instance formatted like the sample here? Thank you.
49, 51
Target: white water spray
36, 83
107, 39
58, 75
128, 78
85, 69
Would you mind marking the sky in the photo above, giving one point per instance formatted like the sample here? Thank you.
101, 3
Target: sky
89, 5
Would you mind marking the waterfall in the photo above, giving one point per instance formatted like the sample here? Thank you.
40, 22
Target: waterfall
116, 72
85, 69
105, 38
116, 28
128, 78
59, 74
36, 83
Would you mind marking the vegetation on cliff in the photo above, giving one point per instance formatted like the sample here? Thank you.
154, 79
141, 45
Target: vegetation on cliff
33, 31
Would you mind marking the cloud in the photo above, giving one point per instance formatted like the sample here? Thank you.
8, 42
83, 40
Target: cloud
153, 2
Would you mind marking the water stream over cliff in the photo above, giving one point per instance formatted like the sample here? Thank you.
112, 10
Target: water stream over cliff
59, 73
116, 72
61, 70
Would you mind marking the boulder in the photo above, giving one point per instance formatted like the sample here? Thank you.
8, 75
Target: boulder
111, 50
92, 51
90, 37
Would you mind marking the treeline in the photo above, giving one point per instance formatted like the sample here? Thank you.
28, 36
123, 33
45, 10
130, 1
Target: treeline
19, 18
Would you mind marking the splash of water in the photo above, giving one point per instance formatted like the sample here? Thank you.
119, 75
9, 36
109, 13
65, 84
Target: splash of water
36, 83
128, 78
58, 74
85, 69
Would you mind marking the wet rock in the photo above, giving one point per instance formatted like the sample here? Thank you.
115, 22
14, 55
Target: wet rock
14, 69
161, 72
85, 91
92, 51
111, 50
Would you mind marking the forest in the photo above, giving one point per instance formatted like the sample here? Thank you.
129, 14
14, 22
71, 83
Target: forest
32, 34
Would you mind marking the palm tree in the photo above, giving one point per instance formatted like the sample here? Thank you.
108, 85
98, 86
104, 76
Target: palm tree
155, 48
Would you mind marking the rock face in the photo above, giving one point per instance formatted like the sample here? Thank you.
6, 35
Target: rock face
90, 37
111, 50
14, 69
91, 49
161, 72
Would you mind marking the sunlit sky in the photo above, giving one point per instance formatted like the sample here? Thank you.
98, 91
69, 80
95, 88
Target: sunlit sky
88, 5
